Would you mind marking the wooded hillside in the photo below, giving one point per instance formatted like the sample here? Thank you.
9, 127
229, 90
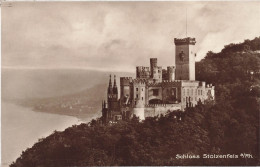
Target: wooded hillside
228, 126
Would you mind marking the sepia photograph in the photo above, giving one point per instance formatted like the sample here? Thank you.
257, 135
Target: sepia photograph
130, 83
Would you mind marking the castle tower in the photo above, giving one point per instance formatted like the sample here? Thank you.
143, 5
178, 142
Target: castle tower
185, 58
153, 65
156, 72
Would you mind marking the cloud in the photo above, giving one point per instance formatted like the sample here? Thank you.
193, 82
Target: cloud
118, 35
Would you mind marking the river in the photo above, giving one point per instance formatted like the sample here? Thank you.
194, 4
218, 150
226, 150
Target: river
21, 128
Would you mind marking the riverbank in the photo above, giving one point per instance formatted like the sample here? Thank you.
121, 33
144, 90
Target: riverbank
22, 127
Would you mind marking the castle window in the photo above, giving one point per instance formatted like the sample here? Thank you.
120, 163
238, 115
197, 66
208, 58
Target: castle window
191, 91
188, 92
137, 96
195, 92
183, 92
155, 92
142, 89
136, 89
142, 98
198, 92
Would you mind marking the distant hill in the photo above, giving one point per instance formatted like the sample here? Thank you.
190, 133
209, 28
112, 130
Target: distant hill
71, 92
41, 83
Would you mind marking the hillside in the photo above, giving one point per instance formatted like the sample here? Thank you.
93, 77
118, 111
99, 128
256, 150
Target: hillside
229, 126
83, 105
72, 92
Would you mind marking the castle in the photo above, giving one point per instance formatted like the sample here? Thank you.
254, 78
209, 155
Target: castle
156, 91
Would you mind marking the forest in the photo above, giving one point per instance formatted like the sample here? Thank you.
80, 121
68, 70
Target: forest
229, 125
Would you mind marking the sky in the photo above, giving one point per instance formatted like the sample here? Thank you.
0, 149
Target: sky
117, 36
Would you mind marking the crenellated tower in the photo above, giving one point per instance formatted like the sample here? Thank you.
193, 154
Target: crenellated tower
185, 58
156, 72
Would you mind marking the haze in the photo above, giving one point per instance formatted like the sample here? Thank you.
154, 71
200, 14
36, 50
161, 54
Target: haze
117, 36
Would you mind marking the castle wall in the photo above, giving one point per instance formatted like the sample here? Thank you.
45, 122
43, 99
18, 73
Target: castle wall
154, 92
139, 112
158, 109
170, 87
171, 94
195, 91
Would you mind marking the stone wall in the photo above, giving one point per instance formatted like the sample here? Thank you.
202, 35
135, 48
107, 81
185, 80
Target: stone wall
158, 109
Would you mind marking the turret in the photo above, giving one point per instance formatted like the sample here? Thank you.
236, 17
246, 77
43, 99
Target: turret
112, 96
156, 72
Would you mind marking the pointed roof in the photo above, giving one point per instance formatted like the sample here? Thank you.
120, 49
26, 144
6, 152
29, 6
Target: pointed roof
110, 89
115, 87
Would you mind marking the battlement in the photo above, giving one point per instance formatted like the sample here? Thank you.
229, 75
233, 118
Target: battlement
139, 81
161, 105
185, 41
125, 80
171, 83
176, 81
142, 68
154, 84
210, 86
